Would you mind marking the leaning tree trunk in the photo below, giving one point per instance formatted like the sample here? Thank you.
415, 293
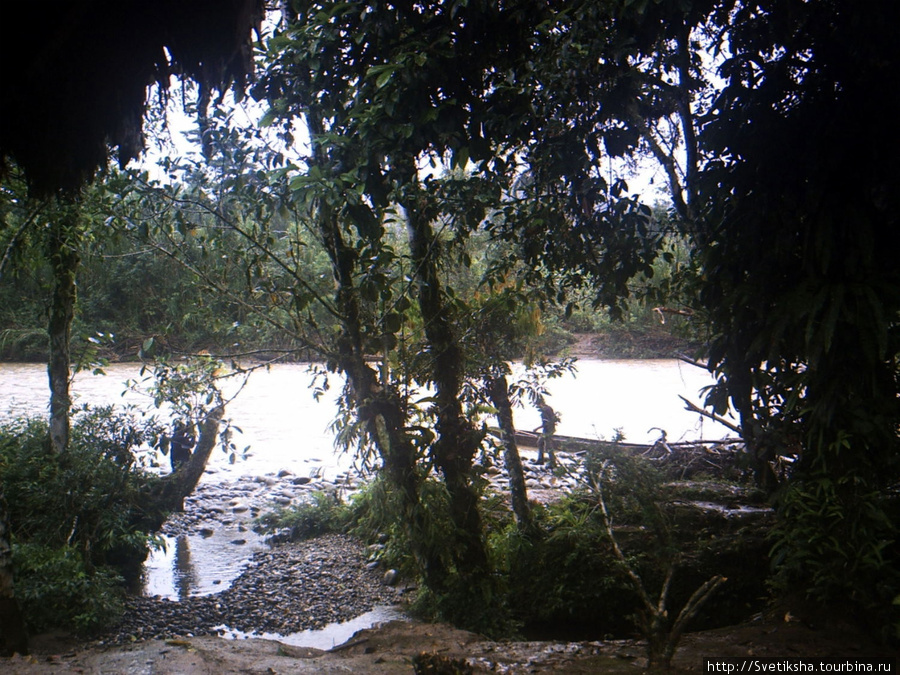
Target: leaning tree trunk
169, 492
498, 391
62, 252
457, 441
13, 637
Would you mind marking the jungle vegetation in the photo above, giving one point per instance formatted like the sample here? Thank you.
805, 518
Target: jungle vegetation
426, 178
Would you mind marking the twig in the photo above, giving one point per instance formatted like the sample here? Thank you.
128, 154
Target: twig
15, 238
620, 556
689, 611
705, 413
655, 624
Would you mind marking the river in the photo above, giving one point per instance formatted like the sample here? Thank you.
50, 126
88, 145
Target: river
286, 429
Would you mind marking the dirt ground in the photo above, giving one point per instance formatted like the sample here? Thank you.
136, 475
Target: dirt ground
392, 648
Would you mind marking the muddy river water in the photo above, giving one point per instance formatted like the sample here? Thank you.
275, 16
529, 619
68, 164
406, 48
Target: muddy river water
286, 429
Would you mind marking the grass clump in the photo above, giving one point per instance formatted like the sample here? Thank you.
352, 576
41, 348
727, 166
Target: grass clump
325, 514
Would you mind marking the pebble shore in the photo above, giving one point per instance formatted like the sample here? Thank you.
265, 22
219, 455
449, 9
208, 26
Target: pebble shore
293, 587
288, 588
283, 589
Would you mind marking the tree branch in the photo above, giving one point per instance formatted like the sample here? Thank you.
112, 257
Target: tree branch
705, 413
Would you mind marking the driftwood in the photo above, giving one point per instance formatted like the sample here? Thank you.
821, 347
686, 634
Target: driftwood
678, 460
570, 444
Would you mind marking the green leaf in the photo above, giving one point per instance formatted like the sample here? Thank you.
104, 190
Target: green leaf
392, 322
268, 119
382, 74
461, 157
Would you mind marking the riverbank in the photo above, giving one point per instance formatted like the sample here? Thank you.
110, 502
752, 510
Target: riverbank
291, 588
282, 589
298, 586
619, 341
393, 647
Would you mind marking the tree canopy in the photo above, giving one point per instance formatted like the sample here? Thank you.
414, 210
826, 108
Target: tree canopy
435, 122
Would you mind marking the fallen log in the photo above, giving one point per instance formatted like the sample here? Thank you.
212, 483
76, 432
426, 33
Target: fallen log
529, 439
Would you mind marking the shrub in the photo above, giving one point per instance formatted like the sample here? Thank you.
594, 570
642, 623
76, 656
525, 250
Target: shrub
55, 588
325, 514
837, 540
565, 574
74, 517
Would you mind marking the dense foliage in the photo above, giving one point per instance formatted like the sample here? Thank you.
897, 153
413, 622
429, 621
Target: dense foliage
76, 521
428, 178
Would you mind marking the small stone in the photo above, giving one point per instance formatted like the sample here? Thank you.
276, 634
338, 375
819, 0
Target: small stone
301, 480
240, 508
391, 577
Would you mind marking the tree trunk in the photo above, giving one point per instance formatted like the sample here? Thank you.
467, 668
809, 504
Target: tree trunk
62, 253
457, 442
378, 405
169, 493
13, 637
740, 387
498, 391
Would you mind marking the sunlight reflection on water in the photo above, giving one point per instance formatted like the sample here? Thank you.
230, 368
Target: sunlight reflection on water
287, 429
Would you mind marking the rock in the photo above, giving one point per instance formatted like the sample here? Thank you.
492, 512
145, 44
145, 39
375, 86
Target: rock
283, 473
301, 480
391, 577
240, 508
206, 532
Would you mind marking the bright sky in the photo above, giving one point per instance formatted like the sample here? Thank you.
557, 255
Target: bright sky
644, 176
